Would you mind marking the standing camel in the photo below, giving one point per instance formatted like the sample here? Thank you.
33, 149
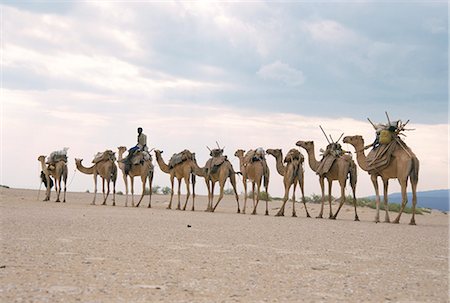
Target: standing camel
292, 173
403, 165
253, 171
144, 170
107, 170
217, 174
339, 171
182, 170
59, 173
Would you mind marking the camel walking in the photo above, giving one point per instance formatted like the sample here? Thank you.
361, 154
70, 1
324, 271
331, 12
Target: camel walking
340, 170
253, 171
404, 165
107, 170
59, 172
212, 176
292, 173
144, 170
182, 170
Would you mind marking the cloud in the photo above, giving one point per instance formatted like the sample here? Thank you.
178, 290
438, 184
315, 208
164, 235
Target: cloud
281, 72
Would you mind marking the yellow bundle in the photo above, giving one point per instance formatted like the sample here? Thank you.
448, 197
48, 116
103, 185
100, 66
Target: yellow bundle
385, 136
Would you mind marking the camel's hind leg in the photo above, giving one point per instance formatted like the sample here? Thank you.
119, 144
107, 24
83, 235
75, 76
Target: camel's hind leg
322, 188
257, 196
245, 195
144, 182
342, 184
385, 199
58, 188
233, 184
302, 183
330, 183
171, 193
150, 181
403, 184
95, 189
374, 180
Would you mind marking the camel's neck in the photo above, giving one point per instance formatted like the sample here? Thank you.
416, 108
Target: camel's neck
199, 171
280, 167
85, 170
162, 165
313, 163
43, 166
120, 158
360, 156
241, 162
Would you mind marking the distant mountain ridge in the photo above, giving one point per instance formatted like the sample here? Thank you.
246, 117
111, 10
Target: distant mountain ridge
435, 199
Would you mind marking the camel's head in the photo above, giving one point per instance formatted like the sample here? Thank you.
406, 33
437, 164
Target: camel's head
41, 158
305, 144
274, 152
354, 140
239, 153
78, 160
122, 149
158, 152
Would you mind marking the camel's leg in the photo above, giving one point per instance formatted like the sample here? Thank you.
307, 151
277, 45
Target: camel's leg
267, 199
65, 185
144, 181
258, 185
193, 192
377, 199
233, 184
342, 184
322, 188
403, 184
171, 193
47, 189
414, 201
107, 193
103, 191
287, 186
132, 191
245, 195
125, 180
58, 188
114, 193
208, 187
179, 194
294, 214
302, 183
188, 191
95, 188
385, 199
354, 201
150, 181
222, 187
330, 183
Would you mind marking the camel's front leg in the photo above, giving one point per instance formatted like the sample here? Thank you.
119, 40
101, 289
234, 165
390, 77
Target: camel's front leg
107, 193
280, 213
114, 193
302, 183
58, 188
95, 189
144, 180
414, 200
330, 183
125, 180
132, 191
179, 194
150, 181
233, 184
257, 196
171, 193
374, 180
403, 184
385, 197
245, 194
188, 191
342, 200
322, 188
294, 214
222, 186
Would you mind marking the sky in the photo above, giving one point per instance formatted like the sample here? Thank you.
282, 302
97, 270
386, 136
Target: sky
85, 75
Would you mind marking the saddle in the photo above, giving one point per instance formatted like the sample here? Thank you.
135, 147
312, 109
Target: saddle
180, 157
104, 156
293, 155
58, 155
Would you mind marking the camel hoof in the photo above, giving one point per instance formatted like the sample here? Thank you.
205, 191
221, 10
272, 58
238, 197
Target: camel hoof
266, 214
294, 215
387, 221
238, 211
279, 215
319, 217
412, 223
395, 222
57, 201
356, 219
149, 206
332, 218
168, 207
308, 216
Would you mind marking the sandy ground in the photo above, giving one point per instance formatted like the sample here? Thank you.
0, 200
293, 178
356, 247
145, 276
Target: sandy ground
55, 252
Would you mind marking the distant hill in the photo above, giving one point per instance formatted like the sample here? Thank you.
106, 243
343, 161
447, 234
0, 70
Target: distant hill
435, 199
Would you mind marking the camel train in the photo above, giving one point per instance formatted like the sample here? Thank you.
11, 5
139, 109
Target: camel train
390, 158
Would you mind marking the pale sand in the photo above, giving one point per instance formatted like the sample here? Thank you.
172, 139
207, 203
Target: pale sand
55, 252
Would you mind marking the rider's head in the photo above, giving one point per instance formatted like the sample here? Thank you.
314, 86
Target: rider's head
139, 130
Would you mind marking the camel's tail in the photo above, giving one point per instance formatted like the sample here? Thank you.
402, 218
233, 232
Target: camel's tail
414, 173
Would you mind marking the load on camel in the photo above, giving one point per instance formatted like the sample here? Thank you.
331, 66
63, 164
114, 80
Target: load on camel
56, 167
335, 165
390, 158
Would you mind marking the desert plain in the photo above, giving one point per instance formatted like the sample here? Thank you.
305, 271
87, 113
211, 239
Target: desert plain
77, 252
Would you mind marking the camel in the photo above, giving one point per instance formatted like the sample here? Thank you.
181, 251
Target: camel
403, 165
254, 172
180, 171
59, 173
221, 174
144, 171
292, 173
339, 171
107, 170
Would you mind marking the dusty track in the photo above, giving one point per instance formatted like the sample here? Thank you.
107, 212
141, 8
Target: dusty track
55, 252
